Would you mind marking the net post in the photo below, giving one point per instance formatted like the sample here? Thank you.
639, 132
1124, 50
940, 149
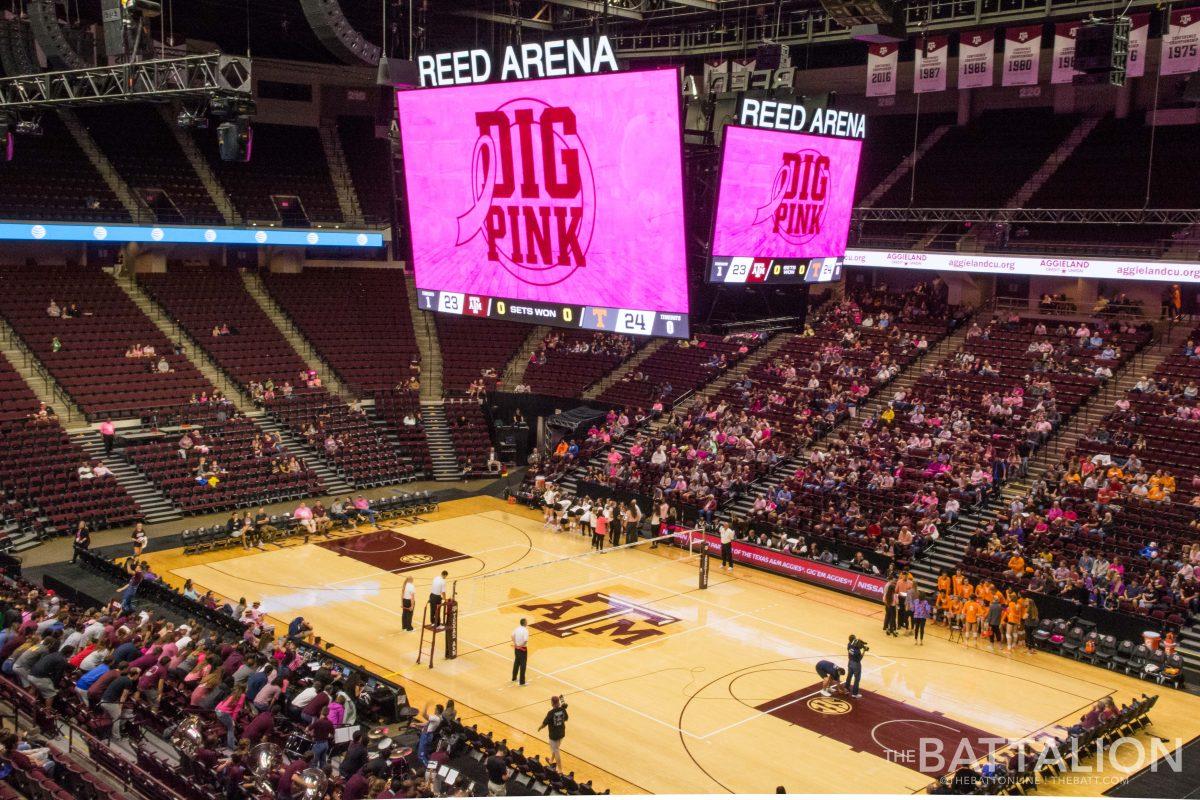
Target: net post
450, 621
703, 582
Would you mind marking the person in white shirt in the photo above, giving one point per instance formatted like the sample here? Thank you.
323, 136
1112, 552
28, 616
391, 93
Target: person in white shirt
436, 593
520, 640
726, 531
408, 601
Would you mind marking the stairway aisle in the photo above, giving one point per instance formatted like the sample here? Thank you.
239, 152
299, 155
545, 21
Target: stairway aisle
441, 444
627, 366
948, 344
150, 500
514, 373
430, 348
199, 359
304, 348
335, 483
37, 377
952, 546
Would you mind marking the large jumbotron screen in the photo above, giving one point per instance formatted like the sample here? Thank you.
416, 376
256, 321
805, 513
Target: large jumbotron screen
555, 201
783, 206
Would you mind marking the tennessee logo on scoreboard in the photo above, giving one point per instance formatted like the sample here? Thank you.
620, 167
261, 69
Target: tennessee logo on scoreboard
799, 197
477, 306
533, 194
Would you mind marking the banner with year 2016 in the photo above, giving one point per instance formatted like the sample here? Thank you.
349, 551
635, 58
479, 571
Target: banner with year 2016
932, 58
882, 63
1022, 55
1139, 37
976, 59
1181, 43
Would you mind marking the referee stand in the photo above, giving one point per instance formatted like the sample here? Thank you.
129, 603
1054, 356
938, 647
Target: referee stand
427, 646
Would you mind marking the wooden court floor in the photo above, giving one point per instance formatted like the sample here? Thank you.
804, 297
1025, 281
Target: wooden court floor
671, 689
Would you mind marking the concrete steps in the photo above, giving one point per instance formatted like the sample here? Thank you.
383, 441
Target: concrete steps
629, 365
304, 348
339, 173
741, 506
335, 482
37, 377
200, 165
199, 359
905, 166
514, 373
138, 211
153, 503
441, 444
952, 546
425, 330
765, 351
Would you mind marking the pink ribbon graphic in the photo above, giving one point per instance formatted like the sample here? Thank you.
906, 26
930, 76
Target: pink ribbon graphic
483, 175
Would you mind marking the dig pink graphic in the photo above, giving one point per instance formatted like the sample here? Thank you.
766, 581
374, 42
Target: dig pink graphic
565, 190
784, 195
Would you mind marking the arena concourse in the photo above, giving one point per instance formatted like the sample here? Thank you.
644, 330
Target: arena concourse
562, 397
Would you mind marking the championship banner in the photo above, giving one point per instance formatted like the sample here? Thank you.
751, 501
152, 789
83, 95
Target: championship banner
932, 58
1139, 35
976, 59
1022, 55
1181, 43
1063, 68
882, 62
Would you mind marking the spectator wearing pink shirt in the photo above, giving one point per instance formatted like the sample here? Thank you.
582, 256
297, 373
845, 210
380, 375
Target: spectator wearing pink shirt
108, 432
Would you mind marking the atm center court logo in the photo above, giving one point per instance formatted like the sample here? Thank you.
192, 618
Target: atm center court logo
799, 197
532, 191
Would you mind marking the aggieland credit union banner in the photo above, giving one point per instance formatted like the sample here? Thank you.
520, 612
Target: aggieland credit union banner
1112, 269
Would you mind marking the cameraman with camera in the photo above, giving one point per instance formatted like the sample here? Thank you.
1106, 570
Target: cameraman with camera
556, 721
855, 650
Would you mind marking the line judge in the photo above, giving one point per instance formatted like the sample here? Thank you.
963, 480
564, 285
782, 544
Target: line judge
520, 641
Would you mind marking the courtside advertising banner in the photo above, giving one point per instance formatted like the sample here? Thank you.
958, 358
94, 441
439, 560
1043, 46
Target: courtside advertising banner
1022, 55
1139, 36
882, 63
1181, 43
783, 194
932, 63
1053, 266
1062, 70
562, 190
818, 572
976, 59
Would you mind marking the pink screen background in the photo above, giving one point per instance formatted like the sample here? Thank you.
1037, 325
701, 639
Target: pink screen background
629, 124
751, 161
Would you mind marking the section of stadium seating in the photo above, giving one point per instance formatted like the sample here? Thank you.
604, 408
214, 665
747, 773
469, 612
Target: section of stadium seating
156, 162
217, 466
370, 161
357, 319
567, 362
256, 356
52, 179
46, 479
286, 160
89, 350
677, 368
475, 351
